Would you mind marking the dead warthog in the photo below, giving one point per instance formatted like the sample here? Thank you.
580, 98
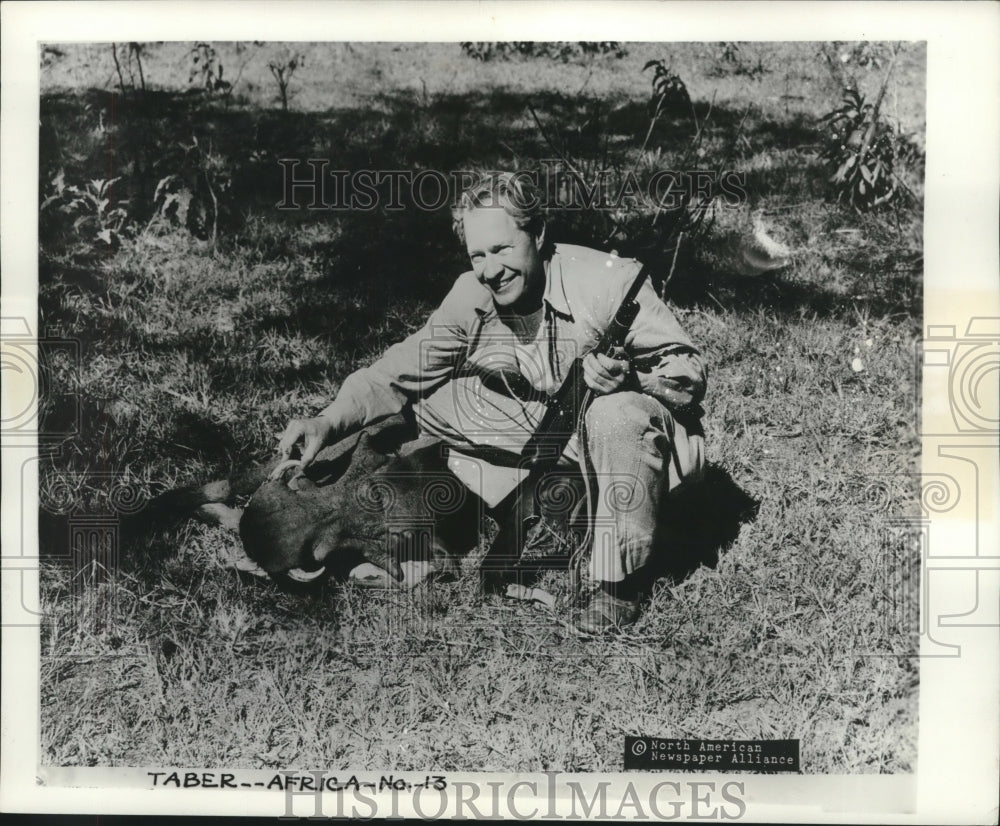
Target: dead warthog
385, 510
362, 500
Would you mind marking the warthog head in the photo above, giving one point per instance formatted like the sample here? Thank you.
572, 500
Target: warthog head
357, 505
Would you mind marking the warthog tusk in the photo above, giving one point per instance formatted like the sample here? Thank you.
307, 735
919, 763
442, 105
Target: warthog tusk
282, 467
305, 576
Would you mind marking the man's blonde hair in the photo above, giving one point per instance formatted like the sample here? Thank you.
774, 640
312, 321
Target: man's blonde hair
515, 192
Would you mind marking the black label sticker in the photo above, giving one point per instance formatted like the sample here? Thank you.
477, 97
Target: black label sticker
712, 755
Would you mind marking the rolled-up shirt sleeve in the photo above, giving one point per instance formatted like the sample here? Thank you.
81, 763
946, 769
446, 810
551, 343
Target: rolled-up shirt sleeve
667, 365
411, 369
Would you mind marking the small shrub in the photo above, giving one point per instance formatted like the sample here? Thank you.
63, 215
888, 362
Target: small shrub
283, 67
670, 93
91, 207
207, 69
198, 195
862, 150
172, 200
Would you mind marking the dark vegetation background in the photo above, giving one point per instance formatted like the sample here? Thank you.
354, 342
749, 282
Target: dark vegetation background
205, 319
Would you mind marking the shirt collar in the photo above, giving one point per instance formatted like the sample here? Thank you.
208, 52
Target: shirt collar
555, 287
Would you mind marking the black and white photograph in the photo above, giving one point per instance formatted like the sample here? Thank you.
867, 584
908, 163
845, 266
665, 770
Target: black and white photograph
406, 410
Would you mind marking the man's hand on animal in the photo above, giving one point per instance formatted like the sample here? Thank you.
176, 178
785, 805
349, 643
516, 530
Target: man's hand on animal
314, 434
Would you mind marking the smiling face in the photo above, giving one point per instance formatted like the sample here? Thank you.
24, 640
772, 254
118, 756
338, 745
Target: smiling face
507, 260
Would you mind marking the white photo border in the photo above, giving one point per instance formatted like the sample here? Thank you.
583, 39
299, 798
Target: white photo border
956, 776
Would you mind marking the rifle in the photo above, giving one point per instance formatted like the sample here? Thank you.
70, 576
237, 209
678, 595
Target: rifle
563, 417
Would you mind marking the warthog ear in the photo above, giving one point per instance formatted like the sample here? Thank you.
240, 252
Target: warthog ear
217, 513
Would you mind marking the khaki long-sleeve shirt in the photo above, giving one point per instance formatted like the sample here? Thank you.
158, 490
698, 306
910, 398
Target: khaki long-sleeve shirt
465, 335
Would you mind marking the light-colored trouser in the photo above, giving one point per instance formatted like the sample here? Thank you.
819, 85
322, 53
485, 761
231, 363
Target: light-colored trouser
636, 449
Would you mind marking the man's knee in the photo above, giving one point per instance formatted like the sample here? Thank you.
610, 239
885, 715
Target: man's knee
633, 430
624, 415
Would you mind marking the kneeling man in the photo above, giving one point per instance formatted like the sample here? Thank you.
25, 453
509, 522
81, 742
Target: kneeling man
478, 373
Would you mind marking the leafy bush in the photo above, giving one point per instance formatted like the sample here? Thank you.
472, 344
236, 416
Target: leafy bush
670, 93
862, 150
198, 194
91, 207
